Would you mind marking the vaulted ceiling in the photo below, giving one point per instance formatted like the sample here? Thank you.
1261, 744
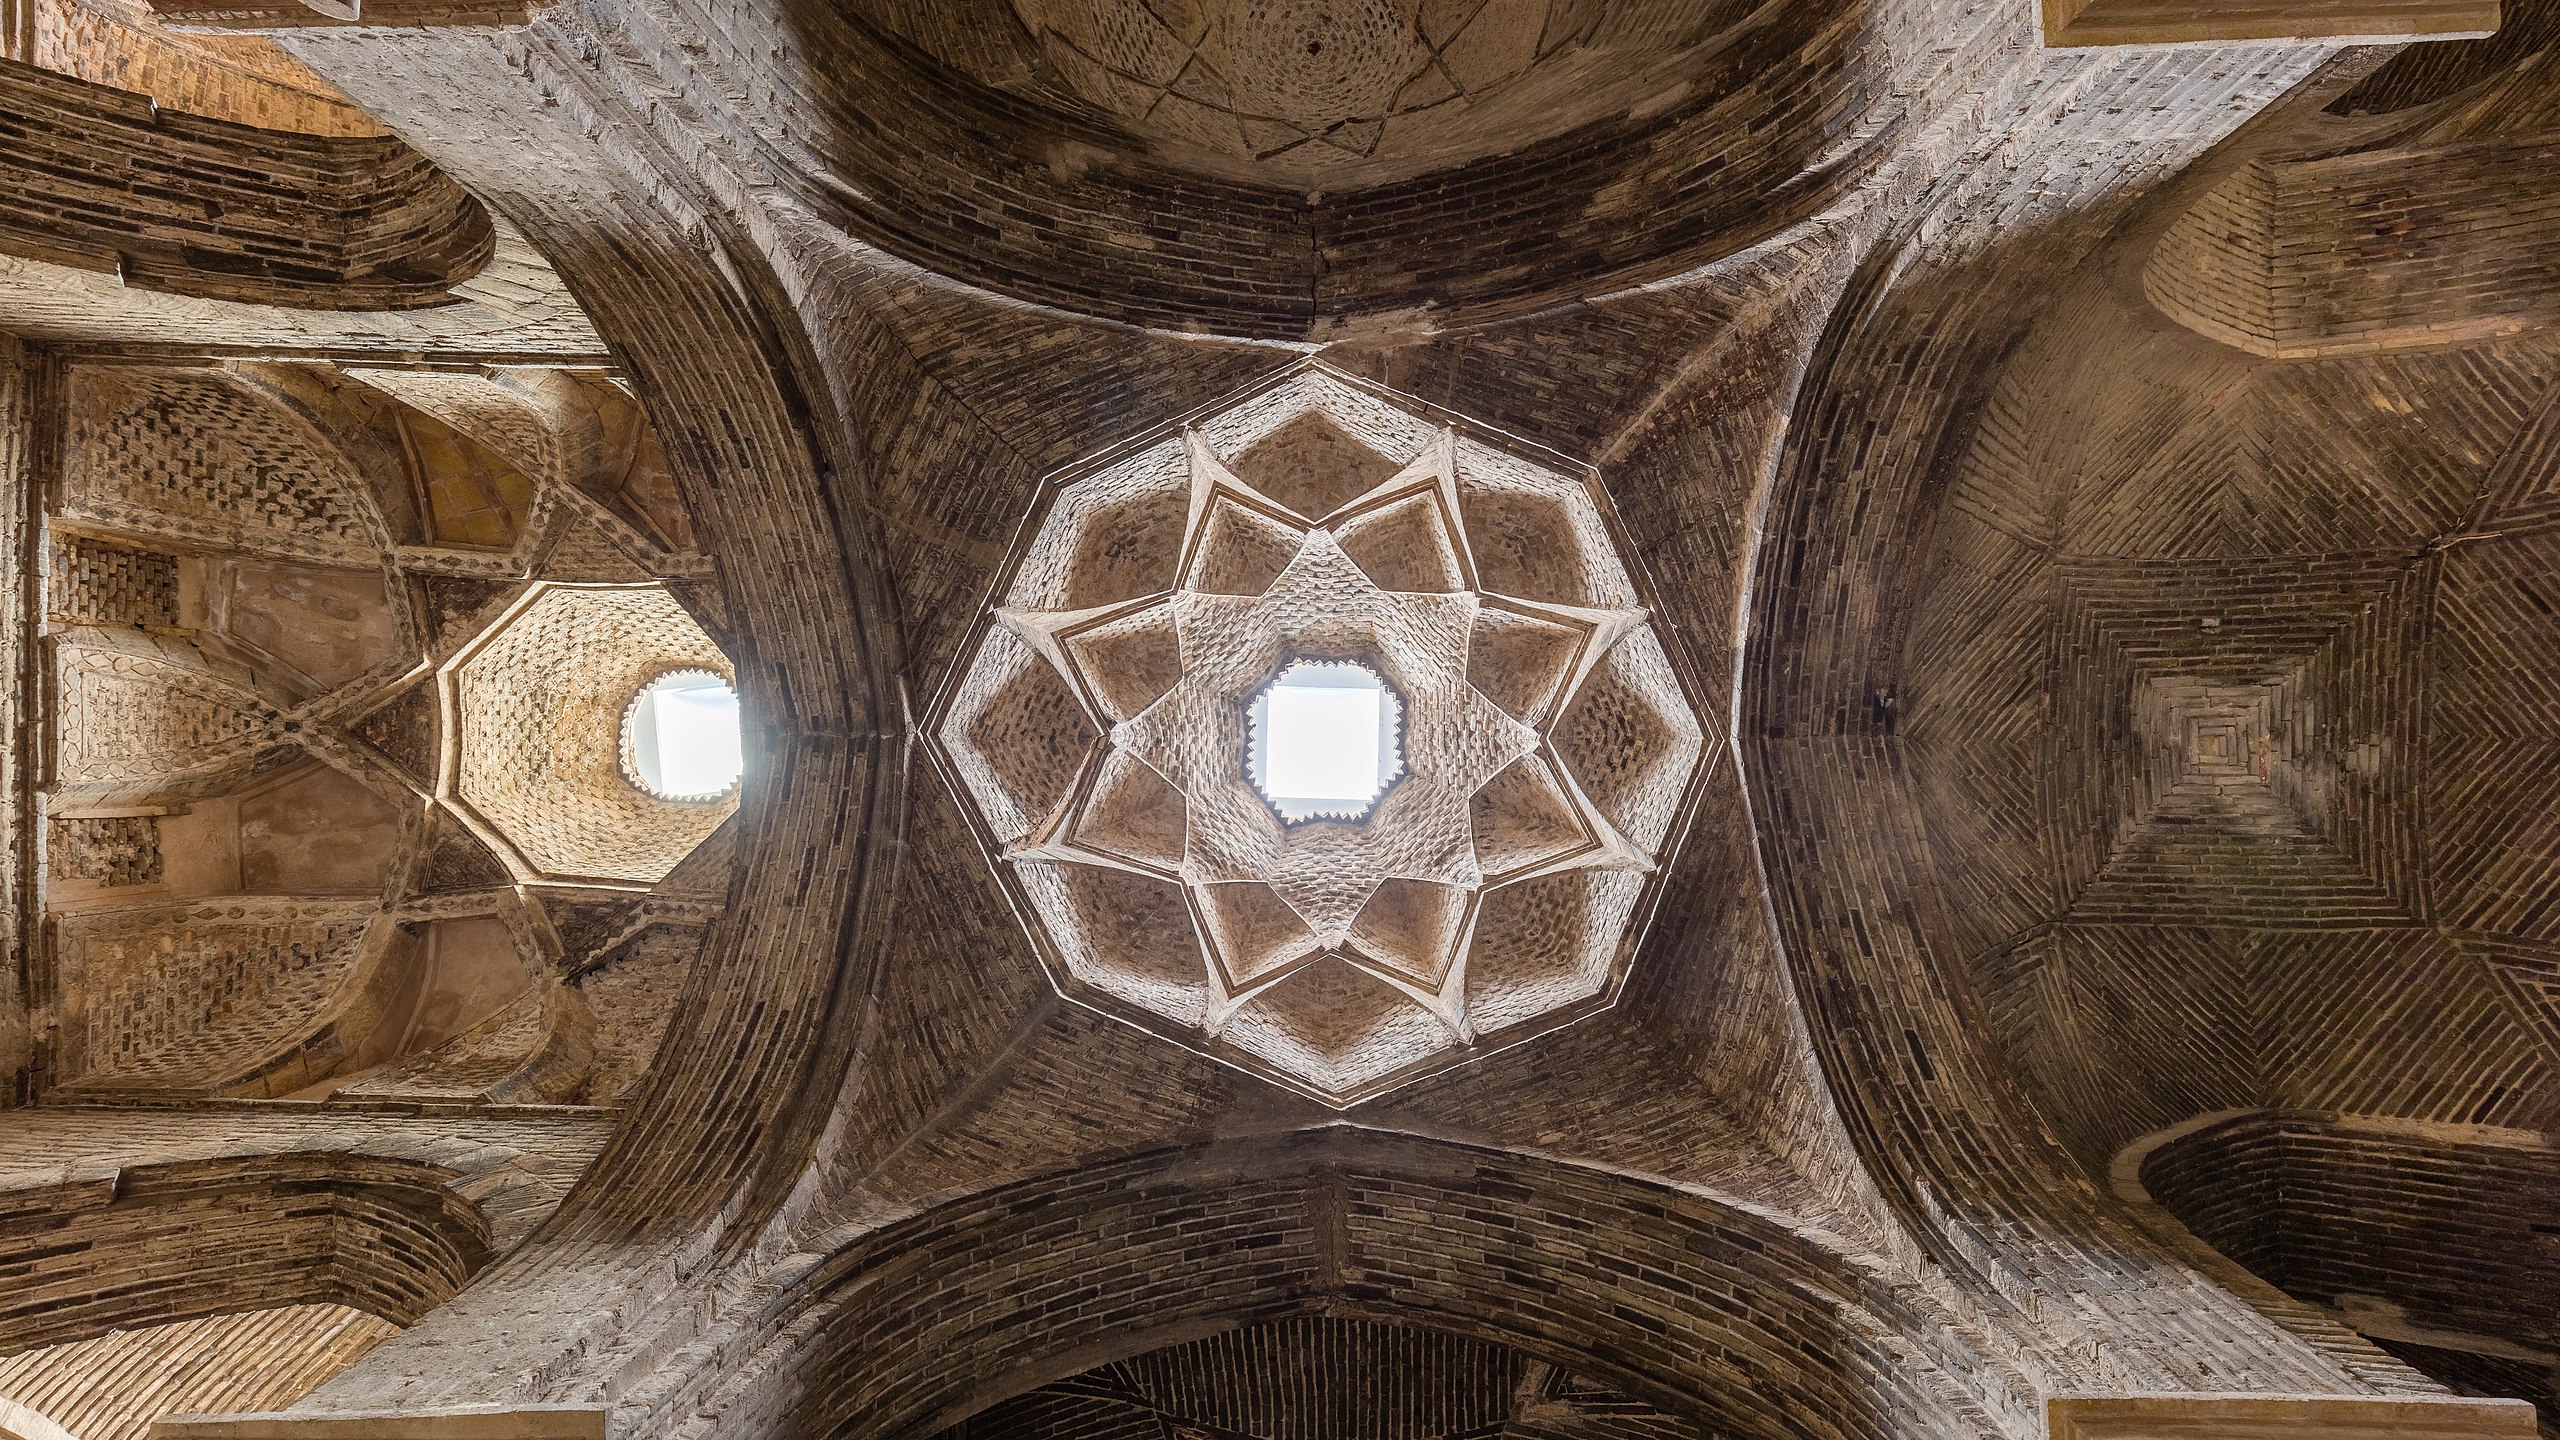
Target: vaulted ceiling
2078, 521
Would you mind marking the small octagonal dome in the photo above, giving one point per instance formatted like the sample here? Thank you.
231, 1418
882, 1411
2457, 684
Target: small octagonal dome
591, 719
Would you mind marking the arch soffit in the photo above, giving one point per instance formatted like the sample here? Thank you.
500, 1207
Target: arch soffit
1323, 1221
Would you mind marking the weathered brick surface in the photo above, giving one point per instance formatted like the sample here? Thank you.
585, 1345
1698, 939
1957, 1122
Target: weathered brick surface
2402, 1220
242, 78
114, 849
1628, 1285
1320, 1378
115, 1386
173, 202
209, 1237
2129, 727
102, 584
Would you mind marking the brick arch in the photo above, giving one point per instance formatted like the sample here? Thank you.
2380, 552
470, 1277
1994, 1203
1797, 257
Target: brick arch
1672, 1297
159, 1243
1321, 1377
327, 222
2433, 1240
901, 152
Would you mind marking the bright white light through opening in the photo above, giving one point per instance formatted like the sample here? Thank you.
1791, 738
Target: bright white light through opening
1324, 740
680, 736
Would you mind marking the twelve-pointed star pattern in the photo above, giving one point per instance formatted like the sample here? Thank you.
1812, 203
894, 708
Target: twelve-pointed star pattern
1317, 946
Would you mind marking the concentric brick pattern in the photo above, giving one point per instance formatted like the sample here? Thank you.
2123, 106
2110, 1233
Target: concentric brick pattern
1311, 92
1766, 122
541, 740
219, 530
2133, 687
1545, 744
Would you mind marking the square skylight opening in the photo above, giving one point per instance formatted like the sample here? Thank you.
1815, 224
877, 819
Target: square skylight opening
681, 738
1325, 740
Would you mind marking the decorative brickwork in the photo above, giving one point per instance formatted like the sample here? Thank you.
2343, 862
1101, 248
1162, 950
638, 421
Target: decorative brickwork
405, 732
95, 584
2046, 683
1310, 93
199, 682
137, 712
1543, 745
114, 850
202, 1000
1714, 113
192, 458
468, 1065
541, 700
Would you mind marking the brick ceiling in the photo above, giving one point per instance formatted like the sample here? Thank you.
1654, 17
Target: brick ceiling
2061, 549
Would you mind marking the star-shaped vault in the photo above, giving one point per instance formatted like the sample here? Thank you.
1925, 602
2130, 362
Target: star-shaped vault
1546, 743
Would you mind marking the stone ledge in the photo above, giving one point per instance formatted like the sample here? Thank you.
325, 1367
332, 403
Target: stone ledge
271, 16
2070, 24
2279, 1417
524, 1422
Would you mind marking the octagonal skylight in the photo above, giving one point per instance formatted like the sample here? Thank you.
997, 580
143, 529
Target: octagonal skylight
1324, 740
680, 736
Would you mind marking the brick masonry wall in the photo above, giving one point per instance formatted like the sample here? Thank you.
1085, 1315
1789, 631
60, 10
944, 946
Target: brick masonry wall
2338, 254
515, 1172
194, 456
245, 79
1925, 1260
1865, 792
1323, 1378
115, 850
983, 186
95, 583
114, 1386
971, 1070
19, 498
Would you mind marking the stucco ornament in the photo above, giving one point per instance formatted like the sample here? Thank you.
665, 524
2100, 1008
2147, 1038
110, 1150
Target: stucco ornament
1101, 726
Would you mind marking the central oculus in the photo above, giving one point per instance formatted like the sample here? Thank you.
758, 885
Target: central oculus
1324, 740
